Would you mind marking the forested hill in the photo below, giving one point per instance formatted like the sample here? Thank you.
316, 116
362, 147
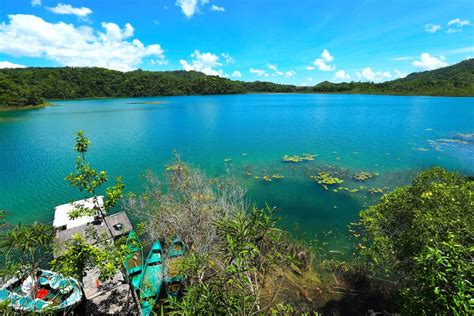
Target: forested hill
455, 80
32, 86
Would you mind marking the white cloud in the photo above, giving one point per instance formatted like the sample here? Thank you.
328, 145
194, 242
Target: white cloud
272, 67
326, 55
368, 74
217, 8
190, 7
203, 62
236, 74
428, 62
400, 74
432, 28
7, 64
403, 58
341, 75
228, 59
290, 73
70, 10
258, 72
459, 22
456, 25
309, 79
35, 3
453, 30
323, 62
113, 48
310, 68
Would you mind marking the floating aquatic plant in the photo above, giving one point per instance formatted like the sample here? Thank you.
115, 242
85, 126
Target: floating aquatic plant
297, 158
376, 190
267, 178
325, 179
364, 175
277, 176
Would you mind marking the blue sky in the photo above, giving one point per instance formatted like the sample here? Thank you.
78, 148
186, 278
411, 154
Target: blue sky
299, 42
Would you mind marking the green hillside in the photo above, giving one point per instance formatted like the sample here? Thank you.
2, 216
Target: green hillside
32, 86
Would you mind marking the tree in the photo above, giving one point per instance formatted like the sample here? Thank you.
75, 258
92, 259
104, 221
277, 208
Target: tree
90, 180
24, 249
423, 234
79, 255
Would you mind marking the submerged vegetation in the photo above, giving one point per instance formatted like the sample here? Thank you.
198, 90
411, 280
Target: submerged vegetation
33, 86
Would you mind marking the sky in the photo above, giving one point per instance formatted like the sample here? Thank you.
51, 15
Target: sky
300, 42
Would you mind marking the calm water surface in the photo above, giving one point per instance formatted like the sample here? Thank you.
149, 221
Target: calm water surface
393, 136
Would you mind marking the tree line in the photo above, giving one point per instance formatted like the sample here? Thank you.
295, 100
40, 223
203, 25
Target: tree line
33, 86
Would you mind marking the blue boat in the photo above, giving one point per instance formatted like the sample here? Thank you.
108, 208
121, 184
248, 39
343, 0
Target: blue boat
152, 279
58, 294
173, 279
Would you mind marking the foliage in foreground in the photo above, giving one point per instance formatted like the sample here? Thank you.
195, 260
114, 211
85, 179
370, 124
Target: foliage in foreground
423, 235
235, 250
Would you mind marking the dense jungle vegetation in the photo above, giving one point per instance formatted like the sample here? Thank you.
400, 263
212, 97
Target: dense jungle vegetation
33, 86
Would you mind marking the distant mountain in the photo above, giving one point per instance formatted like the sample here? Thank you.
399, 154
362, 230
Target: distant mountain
32, 86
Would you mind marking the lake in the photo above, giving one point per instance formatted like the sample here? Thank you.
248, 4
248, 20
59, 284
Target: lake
247, 135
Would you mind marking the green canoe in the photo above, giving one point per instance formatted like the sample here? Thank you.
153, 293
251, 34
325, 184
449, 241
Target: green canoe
133, 262
152, 279
173, 279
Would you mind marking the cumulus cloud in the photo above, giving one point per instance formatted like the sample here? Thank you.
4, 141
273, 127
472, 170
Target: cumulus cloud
7, 64
203, 62
341, 75
228, 59
310, 68
190, 7
113, 47
35, 3
428, 62
432, 28
367, 74
70, 10
258, 72
217, 8
236, 74
323, 62
290, 73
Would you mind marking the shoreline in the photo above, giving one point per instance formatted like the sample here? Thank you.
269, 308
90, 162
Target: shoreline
48, 103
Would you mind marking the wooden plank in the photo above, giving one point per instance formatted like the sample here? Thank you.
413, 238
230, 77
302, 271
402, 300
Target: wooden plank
119, 224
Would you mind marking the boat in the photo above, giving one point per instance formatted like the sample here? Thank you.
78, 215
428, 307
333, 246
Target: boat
56, 294
152, 279
173, 280
133, 261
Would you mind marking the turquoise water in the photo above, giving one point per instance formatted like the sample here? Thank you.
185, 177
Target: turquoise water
393, 136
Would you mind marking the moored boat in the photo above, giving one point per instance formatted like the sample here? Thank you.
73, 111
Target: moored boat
133, 262
152, 279
55, 294
173, 279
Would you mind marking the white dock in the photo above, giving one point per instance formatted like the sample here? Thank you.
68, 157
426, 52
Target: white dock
103, 298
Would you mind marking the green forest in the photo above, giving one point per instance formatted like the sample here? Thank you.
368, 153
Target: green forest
33, 86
